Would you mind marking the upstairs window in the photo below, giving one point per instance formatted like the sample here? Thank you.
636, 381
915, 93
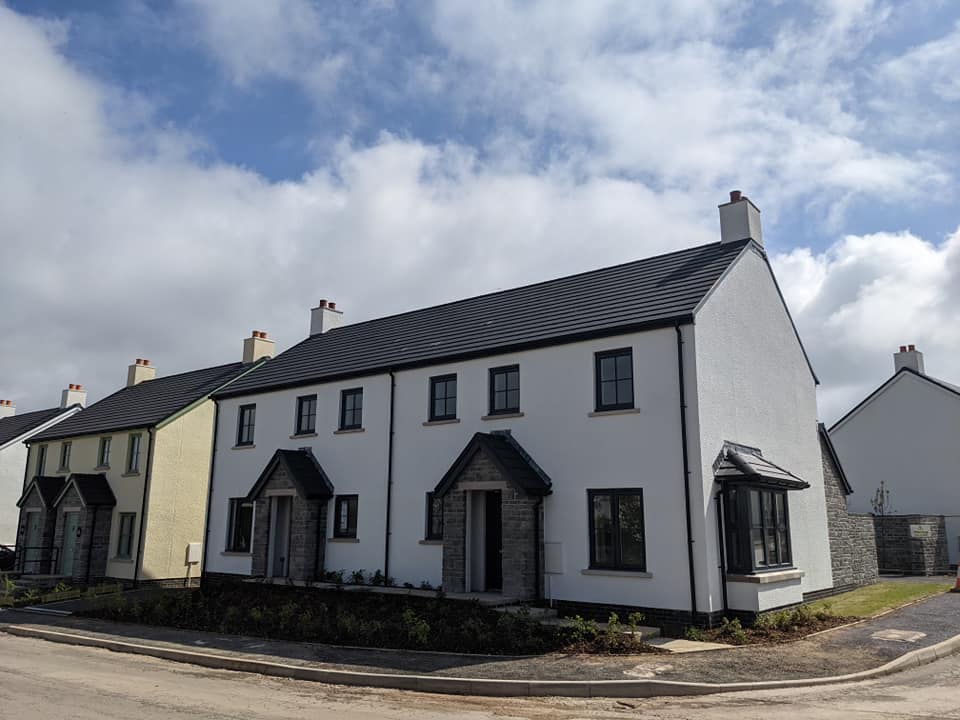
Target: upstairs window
345, 516
617, 536
757, 529
505, 390
434, 529
614, 380
133, 453
351, 409
246, 418
443, 397
41, 459
65, 449
103, 454
239, 525
306, 415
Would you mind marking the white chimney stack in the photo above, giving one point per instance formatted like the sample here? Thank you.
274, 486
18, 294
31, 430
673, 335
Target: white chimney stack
325, 317
257, 346
7, 409
139, 372
908, 357
73, 395
740, 220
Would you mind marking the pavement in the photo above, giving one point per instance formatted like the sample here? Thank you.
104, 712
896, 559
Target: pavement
852, 649
41, 680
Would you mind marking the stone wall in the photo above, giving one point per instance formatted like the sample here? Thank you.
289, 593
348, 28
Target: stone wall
912, 544
853, 550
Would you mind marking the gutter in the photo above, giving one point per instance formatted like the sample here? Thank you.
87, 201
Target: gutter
686, 473
386, 534
143, 507
206, 517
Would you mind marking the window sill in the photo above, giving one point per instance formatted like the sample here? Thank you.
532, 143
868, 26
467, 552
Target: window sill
349, 431
431, 542
131, 474
236, 553
449, 421
502, 416
102, 467
297, 436
617, 573
343, 540
243, 447
121, 560
65, 471
604, 413
763, 578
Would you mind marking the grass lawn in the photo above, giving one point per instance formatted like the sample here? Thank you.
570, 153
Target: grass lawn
874, 599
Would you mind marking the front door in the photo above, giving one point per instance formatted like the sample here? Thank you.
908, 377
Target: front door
31, 544
279, 545
71, 527
493, 541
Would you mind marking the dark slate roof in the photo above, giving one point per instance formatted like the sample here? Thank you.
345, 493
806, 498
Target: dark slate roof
49, 487
145, 404
510, 458
739, 463
307, 475
834, 458
13, 427
646, 293
93, 489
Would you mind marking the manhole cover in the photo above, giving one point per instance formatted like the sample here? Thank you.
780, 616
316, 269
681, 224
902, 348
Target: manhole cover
898, 635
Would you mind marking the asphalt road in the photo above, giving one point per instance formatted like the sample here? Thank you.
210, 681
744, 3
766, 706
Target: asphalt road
44, 680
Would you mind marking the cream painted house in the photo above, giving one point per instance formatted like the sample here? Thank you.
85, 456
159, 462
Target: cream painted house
119, 491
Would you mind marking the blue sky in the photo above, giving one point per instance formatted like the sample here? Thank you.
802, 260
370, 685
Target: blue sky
235, 161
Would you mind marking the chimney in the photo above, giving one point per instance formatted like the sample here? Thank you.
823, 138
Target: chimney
256, 347
73, 395
324, 317
7, 409
140, 371
908, 357
740, 220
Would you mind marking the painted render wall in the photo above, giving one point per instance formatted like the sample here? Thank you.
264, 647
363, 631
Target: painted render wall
176, 504
908, 436
755, 388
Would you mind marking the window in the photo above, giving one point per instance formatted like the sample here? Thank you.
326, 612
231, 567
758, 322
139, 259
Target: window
614, 383
41, 459
345, 516
65, 449
240, 525
351, 409
306, 415
103, 456
434, 517
616, 529
133, 453
125, 535
505, 390
246, 418
757, 528
443, 397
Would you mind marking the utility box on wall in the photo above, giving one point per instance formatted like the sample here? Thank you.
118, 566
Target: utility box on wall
194, 553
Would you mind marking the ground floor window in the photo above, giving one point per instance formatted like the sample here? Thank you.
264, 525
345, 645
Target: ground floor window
240, 525
125, 535
345, 516
617, 539
757, 528
434, 517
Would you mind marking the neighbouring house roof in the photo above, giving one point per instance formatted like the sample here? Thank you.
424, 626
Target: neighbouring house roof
740, 463
647, 293
48, 487
942, 384
93, 489
145, 404
306, 474
13, 427
511, 459
834, 458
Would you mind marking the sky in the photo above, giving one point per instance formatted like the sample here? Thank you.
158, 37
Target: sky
176, 174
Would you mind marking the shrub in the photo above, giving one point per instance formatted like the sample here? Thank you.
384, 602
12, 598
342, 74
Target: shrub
694, 633
377, 578
357, 577
425, 585
733, 631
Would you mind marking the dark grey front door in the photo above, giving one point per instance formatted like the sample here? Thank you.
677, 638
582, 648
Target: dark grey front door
280, 537
493, 541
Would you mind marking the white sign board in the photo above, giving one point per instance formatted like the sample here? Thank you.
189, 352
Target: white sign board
921, 531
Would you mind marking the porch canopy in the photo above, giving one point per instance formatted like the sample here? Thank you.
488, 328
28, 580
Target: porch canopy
743, 464
301, 469
48, 488
92, 489
513, 462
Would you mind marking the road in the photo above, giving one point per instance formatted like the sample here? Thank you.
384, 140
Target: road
39, 679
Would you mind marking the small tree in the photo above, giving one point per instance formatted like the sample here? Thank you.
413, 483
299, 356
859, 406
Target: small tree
880, 502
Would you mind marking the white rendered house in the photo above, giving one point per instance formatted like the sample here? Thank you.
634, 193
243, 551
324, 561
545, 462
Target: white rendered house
14, 431
906, 434
565, 441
